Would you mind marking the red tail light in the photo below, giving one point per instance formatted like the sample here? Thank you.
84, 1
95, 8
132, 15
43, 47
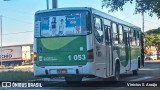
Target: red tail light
90, 55
35, 56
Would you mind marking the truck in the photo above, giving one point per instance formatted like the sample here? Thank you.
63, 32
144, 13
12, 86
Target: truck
16, 54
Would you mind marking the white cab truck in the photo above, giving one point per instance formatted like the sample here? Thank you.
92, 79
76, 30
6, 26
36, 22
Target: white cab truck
16, 55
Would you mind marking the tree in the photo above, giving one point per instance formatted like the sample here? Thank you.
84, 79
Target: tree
142, 6
152, 38
149, 38
154, 31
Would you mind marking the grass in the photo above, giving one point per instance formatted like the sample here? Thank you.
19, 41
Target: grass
16, 76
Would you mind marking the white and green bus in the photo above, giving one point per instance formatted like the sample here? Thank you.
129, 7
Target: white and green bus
82, 42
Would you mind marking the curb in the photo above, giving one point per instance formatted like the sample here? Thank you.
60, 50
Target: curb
152, 61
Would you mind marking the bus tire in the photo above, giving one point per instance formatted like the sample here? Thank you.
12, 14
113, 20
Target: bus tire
73, 79
135, 72
117, 72
139, 63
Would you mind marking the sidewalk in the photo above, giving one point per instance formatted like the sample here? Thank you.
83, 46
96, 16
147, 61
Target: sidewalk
151, 60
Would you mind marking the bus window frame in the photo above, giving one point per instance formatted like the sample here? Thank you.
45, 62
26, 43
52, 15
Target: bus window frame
120, 41
101, 27
112, 32
131, 36
137, 38
126, 38
107, 34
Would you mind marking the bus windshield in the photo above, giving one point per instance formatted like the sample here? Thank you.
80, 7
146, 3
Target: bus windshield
61, 23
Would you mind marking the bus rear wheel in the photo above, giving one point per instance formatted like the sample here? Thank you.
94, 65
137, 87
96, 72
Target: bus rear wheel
135, 72
117, 72
73, 79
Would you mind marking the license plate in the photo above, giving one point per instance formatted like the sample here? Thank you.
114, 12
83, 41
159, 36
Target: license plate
61, 71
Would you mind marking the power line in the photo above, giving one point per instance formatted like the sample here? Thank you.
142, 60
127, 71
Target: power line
18, 20
146, 26
17, 33
152, 22
21, 12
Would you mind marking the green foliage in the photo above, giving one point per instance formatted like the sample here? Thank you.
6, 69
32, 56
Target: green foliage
16, 76
150, 6
154, 31
152, 39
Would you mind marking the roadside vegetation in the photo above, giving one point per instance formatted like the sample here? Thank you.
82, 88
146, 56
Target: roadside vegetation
16, 76
152, 37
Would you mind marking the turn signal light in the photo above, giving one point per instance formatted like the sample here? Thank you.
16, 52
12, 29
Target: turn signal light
35, 56
90, 55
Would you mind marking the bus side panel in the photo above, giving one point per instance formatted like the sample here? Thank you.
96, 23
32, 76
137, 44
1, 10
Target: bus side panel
135, 53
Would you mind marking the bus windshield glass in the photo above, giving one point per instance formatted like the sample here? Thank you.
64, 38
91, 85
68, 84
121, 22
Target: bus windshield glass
61, 23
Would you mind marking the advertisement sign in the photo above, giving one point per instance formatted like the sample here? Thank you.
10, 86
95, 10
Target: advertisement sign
72, 21
60, 25
11, 53
45, 27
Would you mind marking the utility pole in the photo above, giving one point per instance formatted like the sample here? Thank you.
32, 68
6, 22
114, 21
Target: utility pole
54, 4
142, 49
1, 38
47, 2
143, 21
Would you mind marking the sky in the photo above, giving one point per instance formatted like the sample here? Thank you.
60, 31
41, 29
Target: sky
18, 17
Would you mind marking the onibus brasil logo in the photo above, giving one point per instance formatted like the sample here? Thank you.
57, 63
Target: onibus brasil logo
20, 84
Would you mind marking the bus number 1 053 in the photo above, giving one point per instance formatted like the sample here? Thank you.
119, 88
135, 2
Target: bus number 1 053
77, 57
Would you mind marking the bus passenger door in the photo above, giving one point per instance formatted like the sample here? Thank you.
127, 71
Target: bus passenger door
127, 50
109, 64
99, 49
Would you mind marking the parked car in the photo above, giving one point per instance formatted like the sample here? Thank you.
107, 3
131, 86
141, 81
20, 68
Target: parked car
151, 56
158, 55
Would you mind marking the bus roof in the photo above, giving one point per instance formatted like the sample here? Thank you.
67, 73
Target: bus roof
114, 19
95, 11
63, 9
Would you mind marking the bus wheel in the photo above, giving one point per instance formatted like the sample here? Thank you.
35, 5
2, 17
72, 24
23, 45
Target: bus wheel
73, 79
135, 72
117, 72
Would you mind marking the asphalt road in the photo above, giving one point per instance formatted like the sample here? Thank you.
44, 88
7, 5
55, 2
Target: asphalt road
148, 74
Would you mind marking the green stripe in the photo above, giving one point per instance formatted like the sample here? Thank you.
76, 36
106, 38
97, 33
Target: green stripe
61, 51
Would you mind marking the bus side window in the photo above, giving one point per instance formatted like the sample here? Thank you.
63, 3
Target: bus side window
107, 29
120, 34
125, 40
138, 38
98, 30
115, 33
126, 35
106, 33
131, 37
134, 38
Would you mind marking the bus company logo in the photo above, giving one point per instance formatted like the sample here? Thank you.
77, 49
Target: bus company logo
6, 53
7, 50
6, 84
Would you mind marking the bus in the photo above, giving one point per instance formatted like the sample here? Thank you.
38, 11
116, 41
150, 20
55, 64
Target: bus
82, 42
